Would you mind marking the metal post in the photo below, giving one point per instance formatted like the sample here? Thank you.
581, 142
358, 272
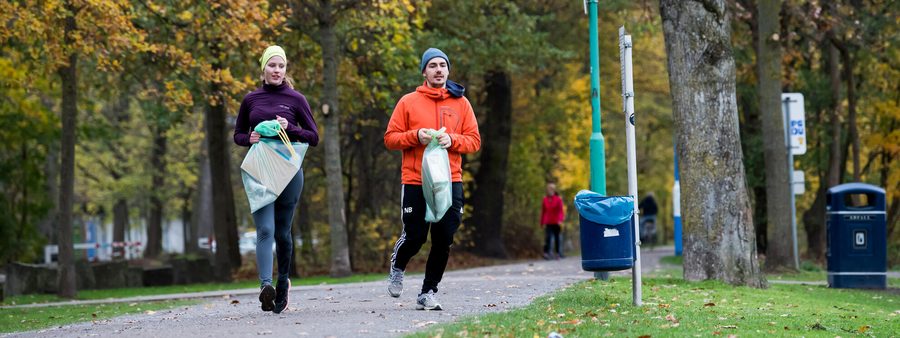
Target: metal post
628, 103
790, 162
598, 155
676, 205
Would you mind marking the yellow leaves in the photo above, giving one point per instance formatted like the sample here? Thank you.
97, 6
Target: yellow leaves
185, 16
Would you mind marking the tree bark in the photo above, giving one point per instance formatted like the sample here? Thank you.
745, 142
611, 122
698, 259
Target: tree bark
834, 167
719, 241
47, 225
490, 181
340, 252
188, 229
779, 249
68, 80
227, 256
154, 223
120, 224
853, 132
203, 212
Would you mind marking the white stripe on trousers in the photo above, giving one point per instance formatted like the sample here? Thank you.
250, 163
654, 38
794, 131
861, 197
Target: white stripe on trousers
402, 232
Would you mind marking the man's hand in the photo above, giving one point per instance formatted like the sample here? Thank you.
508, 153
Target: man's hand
254, 137
444, 140
425, 136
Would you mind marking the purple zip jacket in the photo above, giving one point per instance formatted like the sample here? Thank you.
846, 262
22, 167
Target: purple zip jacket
269, 101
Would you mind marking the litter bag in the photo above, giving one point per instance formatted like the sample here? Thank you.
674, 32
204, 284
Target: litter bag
436, 177
268, 168
606, 210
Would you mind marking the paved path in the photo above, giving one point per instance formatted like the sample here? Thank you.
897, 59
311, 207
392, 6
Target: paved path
352, 310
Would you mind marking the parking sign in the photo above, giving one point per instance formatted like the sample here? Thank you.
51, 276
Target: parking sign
793, 104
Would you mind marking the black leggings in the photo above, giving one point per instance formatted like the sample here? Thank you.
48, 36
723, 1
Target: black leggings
551, 234
415, 233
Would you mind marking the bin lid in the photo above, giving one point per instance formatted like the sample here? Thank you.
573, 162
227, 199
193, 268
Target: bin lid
606, 210
854, 187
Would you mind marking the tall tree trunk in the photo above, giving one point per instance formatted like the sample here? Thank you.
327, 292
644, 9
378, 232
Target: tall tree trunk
813, 219
68, 80
490, 181
47, 225
188, 229
340, 252
154, 224
719, 241
834, 167
779, 252
303, 225
228, 257
853, 132
751, 131
120, 224
203, 211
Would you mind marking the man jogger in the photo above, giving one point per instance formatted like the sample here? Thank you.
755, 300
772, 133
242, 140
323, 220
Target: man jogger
437, 103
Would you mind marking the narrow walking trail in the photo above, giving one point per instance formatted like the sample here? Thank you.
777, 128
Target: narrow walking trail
352, 310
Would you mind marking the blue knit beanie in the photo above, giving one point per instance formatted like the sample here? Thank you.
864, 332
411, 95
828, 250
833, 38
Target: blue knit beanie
432, 53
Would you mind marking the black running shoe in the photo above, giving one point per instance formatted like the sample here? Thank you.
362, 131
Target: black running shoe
267, 297
281, 296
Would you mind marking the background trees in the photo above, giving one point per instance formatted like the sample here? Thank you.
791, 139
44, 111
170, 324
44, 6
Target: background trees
156, 85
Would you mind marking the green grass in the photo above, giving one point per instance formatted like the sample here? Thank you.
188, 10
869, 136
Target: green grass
675, 308
13, 320
672, 260
162, 290
809, 272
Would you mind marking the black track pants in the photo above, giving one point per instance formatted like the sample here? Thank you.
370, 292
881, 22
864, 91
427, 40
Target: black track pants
415, 233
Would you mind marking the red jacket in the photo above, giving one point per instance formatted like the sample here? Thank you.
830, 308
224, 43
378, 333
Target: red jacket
552, 211
431, 108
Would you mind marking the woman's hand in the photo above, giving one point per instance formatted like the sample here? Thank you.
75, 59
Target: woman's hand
282, 121
254, 137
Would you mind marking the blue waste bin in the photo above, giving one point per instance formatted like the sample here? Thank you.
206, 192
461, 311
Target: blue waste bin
856, 236
607, 231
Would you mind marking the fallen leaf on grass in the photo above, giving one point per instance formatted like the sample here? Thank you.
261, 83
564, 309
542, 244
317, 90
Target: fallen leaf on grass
864, 328
664, 306
672, 318
709, 304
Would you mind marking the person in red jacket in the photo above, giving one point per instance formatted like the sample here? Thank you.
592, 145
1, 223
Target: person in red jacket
552, 216
437, 103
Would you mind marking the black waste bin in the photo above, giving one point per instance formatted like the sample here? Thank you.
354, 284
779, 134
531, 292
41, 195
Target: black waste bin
607, 231
857, 236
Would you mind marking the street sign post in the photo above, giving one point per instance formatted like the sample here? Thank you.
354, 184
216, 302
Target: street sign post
795, 141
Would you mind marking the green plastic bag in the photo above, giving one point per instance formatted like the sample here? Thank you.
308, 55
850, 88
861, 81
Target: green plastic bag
436, 177
268, 128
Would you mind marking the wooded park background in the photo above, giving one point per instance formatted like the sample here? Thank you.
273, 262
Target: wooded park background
122, 111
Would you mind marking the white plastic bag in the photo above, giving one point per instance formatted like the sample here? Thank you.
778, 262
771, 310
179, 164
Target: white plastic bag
436, 177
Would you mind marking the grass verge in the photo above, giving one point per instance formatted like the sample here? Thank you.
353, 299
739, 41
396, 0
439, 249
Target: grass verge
675, 308
163, 290
13, 320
